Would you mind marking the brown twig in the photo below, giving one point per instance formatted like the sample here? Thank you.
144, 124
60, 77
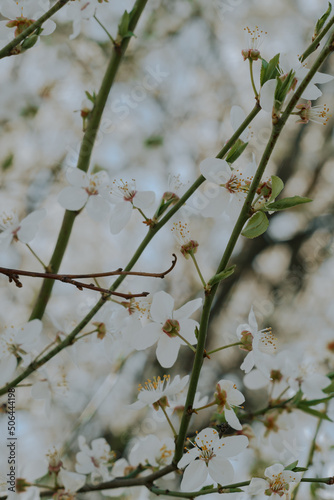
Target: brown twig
13, 275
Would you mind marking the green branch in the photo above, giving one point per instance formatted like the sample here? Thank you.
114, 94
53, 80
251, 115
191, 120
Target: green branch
242, 219
151, 233
317, 40
84, 159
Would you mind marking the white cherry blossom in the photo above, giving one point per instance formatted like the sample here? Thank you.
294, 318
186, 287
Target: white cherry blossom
17, 343
208, 459
72, 481
78, 12
25, 230
85, 191
259, 343
233, 186
21, 14
167, 328
279, 484
291, 62
157, 389
237, 116
94, 460
125, 197
227, 396
153, 451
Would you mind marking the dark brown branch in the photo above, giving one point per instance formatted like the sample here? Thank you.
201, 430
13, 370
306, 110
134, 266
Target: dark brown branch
13, 275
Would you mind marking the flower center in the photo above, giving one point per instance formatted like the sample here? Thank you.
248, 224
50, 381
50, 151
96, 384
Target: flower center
21, 23
171, 327
267, 342
246, 341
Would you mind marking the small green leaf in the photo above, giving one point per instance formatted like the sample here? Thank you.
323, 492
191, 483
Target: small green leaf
7, 162
315, 402
283, 86
221, 276
256, 225
300, 469
236, 150
276, 185
90, 97
321, 21
29, 42
123, 27
269, 70
154, 141
129, 34
285, 203
329, 388
291, 466
313, 412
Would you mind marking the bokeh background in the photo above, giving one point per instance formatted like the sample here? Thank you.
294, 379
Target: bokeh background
191, 50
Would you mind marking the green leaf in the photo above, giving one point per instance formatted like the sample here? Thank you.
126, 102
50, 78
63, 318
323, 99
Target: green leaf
291, 466
300, 469
7, 162
313, 412
269, 70
123, 27
236, 150
221, 276
90, 97
285, 203
129, 34
256, 225
297, 398
283, 86
315, 402
276, 185
29, 42
321, 21
154, 141
329, 388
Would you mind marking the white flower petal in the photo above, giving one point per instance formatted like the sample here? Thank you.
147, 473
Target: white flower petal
188, 457
237, 116
162, 307
77, 177
72, 198
167, 351
10, 9
97, 208
29, 226
216, 170
248, 362
7, 368
267, 95
255, 380
48, 27
194, 476
120, 216
72, 480
187, 309
231, 446
232, 419
221, 470
257, 486
146, 336
144, 199
187, 330
311, 93
313, 384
